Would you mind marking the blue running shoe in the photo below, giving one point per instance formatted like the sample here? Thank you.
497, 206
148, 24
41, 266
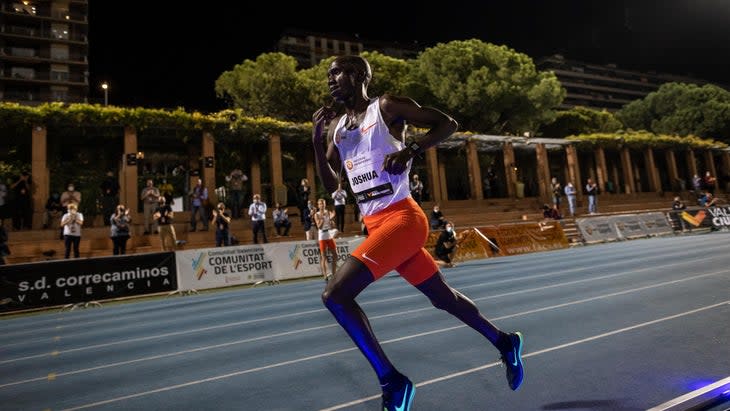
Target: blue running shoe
512, 359
399, 399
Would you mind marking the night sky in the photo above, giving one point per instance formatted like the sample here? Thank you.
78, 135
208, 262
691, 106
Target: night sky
157, 55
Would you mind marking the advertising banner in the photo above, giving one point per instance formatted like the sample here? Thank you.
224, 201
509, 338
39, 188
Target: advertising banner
712, 217
523, 238
299, 259
628, 226
597, 229
63, 282
655, 223
223, 266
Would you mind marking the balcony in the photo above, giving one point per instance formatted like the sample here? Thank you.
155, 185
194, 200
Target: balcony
44, 34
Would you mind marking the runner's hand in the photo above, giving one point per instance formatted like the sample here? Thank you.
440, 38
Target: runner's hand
321, 117
397, 162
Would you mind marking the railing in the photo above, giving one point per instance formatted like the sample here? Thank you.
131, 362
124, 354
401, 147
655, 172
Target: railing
45, 34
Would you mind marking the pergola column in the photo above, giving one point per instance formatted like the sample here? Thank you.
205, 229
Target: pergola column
672, 168
626, 166
571, 155
510, 174
692, 164
442, 182
208, 173
710, 164
277, 172
543, 171
39, 173
601, 169
128, 177
433, 174
475, 172
654, 183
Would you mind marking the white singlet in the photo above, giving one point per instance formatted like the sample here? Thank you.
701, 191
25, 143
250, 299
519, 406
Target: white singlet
362, 151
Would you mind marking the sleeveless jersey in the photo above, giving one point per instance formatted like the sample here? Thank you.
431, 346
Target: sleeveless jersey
362, 152
324, 232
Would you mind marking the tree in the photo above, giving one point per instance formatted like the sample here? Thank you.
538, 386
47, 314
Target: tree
581, 120
268, 86
682, 109
489, 88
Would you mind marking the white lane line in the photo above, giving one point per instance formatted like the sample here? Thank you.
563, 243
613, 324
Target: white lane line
429, 308
59, 352
285, 298
532, 354
693, 400
362, 400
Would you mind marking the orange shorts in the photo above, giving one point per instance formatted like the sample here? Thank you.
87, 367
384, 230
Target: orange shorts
325, 244
395, 241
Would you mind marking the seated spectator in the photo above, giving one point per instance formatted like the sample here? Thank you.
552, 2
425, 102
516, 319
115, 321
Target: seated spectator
281, 220
710, 200
678, 204
445, 246
437, 218
551, 212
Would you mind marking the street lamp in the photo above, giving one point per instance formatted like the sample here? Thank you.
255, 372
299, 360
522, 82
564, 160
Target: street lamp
105, 86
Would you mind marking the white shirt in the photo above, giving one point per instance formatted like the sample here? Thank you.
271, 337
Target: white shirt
339, 197
257, 211
73, 228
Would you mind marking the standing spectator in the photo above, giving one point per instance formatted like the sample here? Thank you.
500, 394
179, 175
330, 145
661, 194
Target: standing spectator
22, 207
303, 197
109, 196
198, 200
167, 191
53, 209
120, 223
257, 211
491, 182
416, 187
709, 182
164, 217
281, 220
570, 193
70, 196
236, 181
222, 220
557, 190
437, 218
308, 217
697, 185
71, 223
592, 192
150, 197
340, 199
445, 246
323, 219
4, 206
678, 204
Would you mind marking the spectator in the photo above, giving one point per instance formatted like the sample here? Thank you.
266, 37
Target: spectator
120, 223
323, 219
281, 220
303, 197
308, 219
551, 212
709, 183
570, 193
711, 200
257, 211
678, 204
445, 246
236, 183
340, 199
167, 191
592, 192
164, 216
416, 187
437, 218
222, 220
70, 196
557, 190
150, 197
22, 207
53, 209
198, 201
71, 223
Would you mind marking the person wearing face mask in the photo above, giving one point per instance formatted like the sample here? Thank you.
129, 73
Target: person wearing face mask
71, 223
257, 211
70, 196
437, 218
445, 246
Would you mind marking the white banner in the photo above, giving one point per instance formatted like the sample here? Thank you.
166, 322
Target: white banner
223, 266
247, 264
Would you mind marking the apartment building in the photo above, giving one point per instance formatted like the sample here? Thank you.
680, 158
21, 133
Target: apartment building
44, 51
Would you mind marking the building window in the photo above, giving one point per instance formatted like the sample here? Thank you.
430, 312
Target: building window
59, 31
22, 73
24, 8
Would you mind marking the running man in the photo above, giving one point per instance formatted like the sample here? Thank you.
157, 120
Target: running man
323, 219
368, 141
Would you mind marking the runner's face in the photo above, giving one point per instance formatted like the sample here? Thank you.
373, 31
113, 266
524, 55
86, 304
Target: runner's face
341, 80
